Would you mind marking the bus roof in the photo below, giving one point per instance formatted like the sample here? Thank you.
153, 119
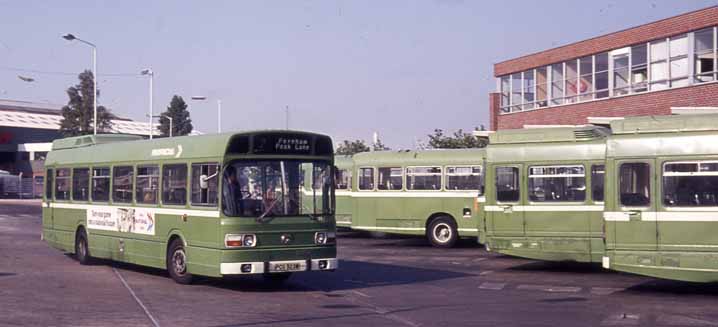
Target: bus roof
665, 124
421, 157
552, 134
123, 148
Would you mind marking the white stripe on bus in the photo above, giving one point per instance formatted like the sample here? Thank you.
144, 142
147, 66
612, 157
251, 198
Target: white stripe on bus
413, 194
675, 216
409, 228
544, 208
161, 211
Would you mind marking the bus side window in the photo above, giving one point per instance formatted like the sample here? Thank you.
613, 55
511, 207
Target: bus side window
204, 196
100, 184
62, 184
634, 184
390, 178
344, 179
598, 174
366, 179
80, 184
49, 178
122, 184
147, 184
507, 184
174, 184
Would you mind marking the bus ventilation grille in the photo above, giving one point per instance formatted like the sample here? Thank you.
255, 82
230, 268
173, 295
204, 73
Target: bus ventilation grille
586, 134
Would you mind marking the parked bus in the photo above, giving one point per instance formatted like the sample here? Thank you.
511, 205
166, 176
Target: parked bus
662, 197
435, 193
344, 168
545, 195
212, 205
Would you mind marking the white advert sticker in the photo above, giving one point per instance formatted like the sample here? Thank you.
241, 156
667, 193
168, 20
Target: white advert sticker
128, 220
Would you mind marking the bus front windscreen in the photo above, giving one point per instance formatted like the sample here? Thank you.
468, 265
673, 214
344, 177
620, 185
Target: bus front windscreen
273, 188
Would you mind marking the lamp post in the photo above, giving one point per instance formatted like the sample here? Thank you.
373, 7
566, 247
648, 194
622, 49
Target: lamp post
71, 37
151, 74
160, 116
219, 110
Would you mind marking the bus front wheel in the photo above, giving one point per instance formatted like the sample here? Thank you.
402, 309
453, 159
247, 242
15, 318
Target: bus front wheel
82, 250
177, 262
442, 232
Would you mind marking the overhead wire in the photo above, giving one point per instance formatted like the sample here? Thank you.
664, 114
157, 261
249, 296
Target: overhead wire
44, 72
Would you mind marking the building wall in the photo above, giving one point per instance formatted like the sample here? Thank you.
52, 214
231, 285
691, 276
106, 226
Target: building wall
644, 33
643, 104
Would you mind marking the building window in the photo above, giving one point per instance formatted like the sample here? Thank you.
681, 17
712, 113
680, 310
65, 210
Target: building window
585, 82
147, 184
390, 178
679, 61
100, 184
174, 184
621, 73
571, 81
80, 184
528, 89
601, 64
557, 84
541, 87
516, 92
639, 68
505, 94
659, 65
557, 184
704, 59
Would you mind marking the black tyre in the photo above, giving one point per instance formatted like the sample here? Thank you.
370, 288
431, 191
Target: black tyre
177, 262
442, 232
277, 278
82, 249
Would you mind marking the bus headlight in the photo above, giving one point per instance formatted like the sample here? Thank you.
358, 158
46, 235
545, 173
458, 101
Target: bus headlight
240, 240
323, 238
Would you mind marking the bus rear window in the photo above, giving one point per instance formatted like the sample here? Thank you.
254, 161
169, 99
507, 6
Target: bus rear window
62, 184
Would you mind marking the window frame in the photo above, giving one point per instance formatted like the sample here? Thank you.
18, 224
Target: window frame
482, 178
529, 176
113, 184
346, 171
440, 174
109, 183
49, 184
593, 198
496, 181
662, 184
217, 165
159, 181
373, 177
403, 178
651, 194
162, 184
69, 181
89, 177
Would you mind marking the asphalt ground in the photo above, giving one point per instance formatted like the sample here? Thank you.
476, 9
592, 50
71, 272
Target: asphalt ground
389, 281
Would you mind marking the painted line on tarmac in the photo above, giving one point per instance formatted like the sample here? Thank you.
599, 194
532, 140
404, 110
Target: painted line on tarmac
144, 308
605, 290
622, 319
485, 272
550, 288
492, 286
382, 312
361, 294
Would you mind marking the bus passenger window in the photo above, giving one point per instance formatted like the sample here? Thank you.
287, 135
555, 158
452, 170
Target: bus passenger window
598, 174
148, 179
557, 183
465, 178
204, 196
122, 184
634, 184
62, 184
366, 178
507, 184
423, 178
80, 184
390, 179
174, 184
690, 184
344, 179
49, 177
100, 184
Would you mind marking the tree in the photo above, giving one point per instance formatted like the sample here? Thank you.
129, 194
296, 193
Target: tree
78, 114
380, 146
356, 146
181, 123
458, 140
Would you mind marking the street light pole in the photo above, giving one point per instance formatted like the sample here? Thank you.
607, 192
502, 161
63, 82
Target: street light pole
71, 37
219, 110
151, 74
168, 117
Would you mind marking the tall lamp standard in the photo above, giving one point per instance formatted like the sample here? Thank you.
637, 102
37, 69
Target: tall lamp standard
151, 74
71, 37
219, 110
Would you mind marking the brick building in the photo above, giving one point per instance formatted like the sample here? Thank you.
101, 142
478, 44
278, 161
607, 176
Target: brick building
644, 70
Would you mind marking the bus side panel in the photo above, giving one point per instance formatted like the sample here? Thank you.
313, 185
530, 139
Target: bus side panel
364, 212
65, 226
390, 214
467, 225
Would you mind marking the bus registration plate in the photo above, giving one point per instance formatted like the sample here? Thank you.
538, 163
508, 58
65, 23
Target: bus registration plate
285, 266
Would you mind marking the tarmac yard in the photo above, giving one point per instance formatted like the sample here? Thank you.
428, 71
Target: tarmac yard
393, 281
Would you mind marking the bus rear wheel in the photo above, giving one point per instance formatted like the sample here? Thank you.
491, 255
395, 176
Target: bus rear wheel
442, 232
177, 262
82, 249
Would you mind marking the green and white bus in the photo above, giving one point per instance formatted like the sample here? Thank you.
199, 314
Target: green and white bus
213, 205
344, 168
436, 193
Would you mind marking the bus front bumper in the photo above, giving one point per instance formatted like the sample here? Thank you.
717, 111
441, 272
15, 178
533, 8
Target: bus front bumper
246, 268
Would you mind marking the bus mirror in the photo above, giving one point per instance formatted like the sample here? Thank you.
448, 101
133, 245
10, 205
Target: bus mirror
204, 180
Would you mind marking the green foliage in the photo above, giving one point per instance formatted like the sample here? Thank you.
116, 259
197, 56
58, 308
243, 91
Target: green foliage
181, 123
458, 140
78, 114
356, 146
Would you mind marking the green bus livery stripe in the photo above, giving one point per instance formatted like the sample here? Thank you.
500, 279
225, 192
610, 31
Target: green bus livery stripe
678, 216
161, 211
543, 208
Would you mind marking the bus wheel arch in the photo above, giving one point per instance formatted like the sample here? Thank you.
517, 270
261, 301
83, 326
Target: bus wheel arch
82, 247
442, 230
176, 259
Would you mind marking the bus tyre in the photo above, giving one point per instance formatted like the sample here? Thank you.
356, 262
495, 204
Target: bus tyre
82, 249
177, 262
442, 232
277, 278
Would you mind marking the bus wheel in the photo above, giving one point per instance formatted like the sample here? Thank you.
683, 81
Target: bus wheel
442, 232
82, 250
277, 278
177, 262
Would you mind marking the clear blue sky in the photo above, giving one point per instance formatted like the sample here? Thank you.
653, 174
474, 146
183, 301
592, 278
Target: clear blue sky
346, 68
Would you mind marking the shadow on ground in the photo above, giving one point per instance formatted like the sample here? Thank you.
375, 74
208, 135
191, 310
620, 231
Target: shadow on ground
673, 287
561, 266
384, 240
